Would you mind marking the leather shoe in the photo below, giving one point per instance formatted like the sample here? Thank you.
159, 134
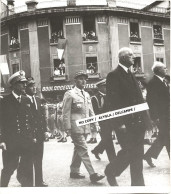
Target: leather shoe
149, 161
96, 177
111, 180
76, 175
96, 154
43, 184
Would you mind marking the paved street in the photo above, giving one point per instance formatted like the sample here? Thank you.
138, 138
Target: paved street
57, 159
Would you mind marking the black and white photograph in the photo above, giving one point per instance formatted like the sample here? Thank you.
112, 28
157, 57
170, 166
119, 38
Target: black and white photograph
85, 96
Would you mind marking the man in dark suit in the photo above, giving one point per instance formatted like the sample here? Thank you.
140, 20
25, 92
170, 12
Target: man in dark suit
40, 133
106, 142
122, 90
17, 135
158, 98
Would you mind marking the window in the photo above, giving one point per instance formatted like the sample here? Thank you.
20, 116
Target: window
14, 42
59, 67
56, 30
157, 32
89, 33
15, 68
159, 59
137, 65
134, 32
91, 65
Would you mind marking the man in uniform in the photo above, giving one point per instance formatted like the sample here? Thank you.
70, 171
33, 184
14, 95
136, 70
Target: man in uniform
122, 90
40, 128
77, 105
98, 101
17, 138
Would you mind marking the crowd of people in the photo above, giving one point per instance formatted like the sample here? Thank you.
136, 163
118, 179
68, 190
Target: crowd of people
89, 35
60, 70
56, 35
32, 120
14, 43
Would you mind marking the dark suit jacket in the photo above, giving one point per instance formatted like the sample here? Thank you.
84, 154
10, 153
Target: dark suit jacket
96, 102
39, 120
158, 98
17, 123
123, 91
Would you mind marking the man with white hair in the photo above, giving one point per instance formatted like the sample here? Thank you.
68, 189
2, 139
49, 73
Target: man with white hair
158, 98
122, 90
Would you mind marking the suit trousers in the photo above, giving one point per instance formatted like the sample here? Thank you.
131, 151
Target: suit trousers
37, 157
163, 139
131, 154
10, 164
37, 162
106, 142
80, 154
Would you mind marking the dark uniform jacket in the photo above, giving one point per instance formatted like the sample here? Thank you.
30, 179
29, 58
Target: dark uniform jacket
123, 91
17, 123
39, 120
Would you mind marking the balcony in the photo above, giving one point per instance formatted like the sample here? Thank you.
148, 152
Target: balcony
89, 37
58, 78
158, 41
135, 40
15, 46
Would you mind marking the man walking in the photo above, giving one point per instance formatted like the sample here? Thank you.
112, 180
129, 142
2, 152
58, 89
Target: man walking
40, 128
17, 138
122, 90
106, 143
158, 98
77, 105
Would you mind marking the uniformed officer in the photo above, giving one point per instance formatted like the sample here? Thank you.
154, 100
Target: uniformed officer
77, 105
106, 143
40, 128
17, 136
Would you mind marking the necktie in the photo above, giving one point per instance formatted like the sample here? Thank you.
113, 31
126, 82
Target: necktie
19, 99
165, 82
82, 92
102, 101
34, 103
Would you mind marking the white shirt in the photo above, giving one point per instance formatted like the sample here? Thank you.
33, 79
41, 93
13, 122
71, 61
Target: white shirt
161, 78
32, 100
123, 67
16, 96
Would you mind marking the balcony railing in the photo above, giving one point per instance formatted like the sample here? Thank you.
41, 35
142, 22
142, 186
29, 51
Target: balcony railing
94, 38
158, 41
15, 46
135, 39
58, 77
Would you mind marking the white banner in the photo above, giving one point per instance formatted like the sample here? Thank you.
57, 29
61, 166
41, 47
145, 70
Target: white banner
60, 53
4, 65
113, 114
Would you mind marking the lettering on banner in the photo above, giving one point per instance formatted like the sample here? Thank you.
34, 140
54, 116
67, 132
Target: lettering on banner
113, 114
63, 87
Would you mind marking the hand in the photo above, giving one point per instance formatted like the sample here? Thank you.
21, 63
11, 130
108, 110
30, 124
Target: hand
34, 140
68, 131
122, 128
3, 146
98, 129
46, 135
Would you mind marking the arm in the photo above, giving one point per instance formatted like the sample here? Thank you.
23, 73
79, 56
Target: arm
66, 111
